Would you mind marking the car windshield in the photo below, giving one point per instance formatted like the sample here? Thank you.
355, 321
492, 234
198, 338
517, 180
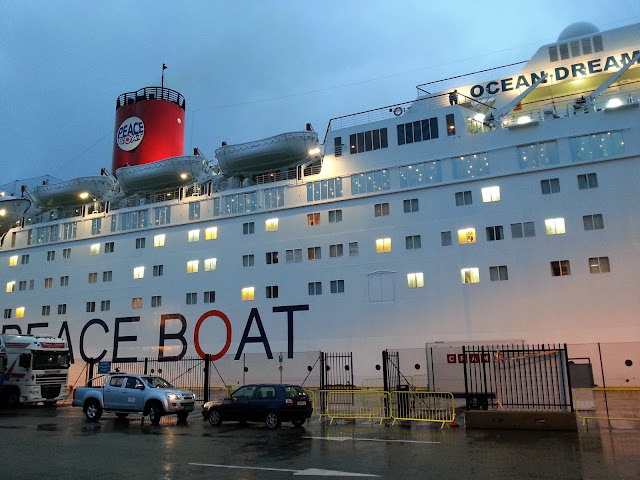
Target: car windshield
157, 382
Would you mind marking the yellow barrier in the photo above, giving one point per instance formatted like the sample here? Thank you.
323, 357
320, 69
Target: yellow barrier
607, 404
352, 404
422, 406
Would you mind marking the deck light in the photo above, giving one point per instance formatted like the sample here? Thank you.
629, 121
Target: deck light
84, 195
524, 120
614, 103
3, 212
183, 176
314, 151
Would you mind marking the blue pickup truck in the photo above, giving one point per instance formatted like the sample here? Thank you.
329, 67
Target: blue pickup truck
124, 394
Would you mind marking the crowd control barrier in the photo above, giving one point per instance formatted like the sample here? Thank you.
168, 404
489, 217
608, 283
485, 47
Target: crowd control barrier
353, 404
437, 407
607, 404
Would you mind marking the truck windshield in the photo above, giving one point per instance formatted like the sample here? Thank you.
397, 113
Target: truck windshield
157, 382
48, 360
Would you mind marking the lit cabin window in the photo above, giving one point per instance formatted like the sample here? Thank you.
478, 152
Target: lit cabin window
11, 286
194, 235
415, 280
211, 233
95, 249
271, 225
555, 226
19, 312
247, 293
13, 260
466, 235
192, 266
491, 194
383, 245
210, 264
470, 275
138, 272
158, 240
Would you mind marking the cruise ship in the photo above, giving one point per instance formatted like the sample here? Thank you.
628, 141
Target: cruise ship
496, 205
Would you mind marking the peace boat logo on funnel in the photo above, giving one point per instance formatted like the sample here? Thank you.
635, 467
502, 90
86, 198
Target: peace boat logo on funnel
130, 133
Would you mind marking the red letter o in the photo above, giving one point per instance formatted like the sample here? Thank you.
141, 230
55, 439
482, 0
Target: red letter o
196, 334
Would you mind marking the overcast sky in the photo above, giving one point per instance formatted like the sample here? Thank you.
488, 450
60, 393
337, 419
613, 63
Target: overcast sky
248, 69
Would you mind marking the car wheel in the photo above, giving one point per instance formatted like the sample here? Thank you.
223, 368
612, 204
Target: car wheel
183, 415
272, 420
299, 422
155, 412
122, 416
215, 418
92, 410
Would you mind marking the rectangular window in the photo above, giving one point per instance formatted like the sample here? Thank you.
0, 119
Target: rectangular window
211, 233
24, 259
451, 124
192, 266
466, 235
274, 197
210, 264
109, 247
192, 298
194, 210
593, 222
551, 185
445, 238
13, 260
498, 273
240, 203
64, 281
324, 189
247, 260
107, 276
419, 174
91, 307
336, 251
93, 277
158, 240
158, 270
417, 131
138, 272
560, 268
140, 243
156, 301
48, 282
46, 310
464, 198
335, 216
69, 230
136, 302
51, 255
587, 180
375, 139
248, 228
471, 166
410, 205
95, 249
22, 285
413, 242
66, 253
337, 146
315, 288
383, 245
314, 253
415, 280
134, 220
46, 234
381, 209
20, 312
210, 296
62, 309
599, 265
525, 229
313, 219
105, 305
193, 235
491, 194
538, 155
271, 225
7, 313
370, 182
495, 233
336, 286
555, 226
162, 215
96, 226
294, 255
588, 148
353, 249
271, 258
271, 291
470, 275
11, 286
248, 293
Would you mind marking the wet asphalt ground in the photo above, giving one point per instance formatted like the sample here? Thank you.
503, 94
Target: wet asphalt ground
58, 443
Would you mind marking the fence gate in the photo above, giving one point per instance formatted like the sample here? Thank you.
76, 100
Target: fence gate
391, 370
337, 371
517, 377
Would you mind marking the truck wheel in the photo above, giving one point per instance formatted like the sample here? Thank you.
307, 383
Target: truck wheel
215, 418
92, 410
182, 416
122, 416
12, 398
272, 420
155, 412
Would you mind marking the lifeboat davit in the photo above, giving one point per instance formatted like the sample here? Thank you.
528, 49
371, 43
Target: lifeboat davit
281, 151
164, 174
11, 211
78, 191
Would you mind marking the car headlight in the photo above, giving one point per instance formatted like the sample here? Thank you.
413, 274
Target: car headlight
172, 396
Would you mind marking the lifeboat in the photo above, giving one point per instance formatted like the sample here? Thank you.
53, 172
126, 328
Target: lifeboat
11, 211
164, 174
284, 150
78, 191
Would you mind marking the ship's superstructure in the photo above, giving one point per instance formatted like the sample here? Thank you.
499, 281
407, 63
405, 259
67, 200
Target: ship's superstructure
487, 208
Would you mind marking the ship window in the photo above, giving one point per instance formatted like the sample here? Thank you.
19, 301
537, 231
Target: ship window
271, 258
410, 205
274, 197
156, 301
247, 260
575, 48
336, 286
48, 282
158, 270
593, 222
526, 229
498, 273
162, 215
107, 276
105, 305
353, 249
564, 51
324, 189
158, 240
466, 235
370, 182
383, 245
367, 141
336, 251
597, 43
470, 166
337, 146
417, 131
588, 180
192, 266
551, 185
93, 277
415, 280
136, 302
555, 226
109, 247
418, 174
588, 148
193, 235
314, 253
271, 291
64, 281
381, 209
133, 220
248, 293
194, 210
192, 298
335, 216
95, 249
560, 268
294, 255
210, 264
47, 234
413, 242
114, 223
211, 233
11, 286
271, 225
7, 313
140, 243
66, 253
470, 275
315, 288
209, 296
20, 312
22, 285
138, 272
495, 233
62, 309
51, 255
586, 46
91, 307
445, 237
96, 226
599, 265
491, 194
313, 219
451, 124
553, 53
13, 260
24, 260
69, 230
248, 228
538, 155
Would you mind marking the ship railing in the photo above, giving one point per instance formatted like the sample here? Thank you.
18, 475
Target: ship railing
151, 93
